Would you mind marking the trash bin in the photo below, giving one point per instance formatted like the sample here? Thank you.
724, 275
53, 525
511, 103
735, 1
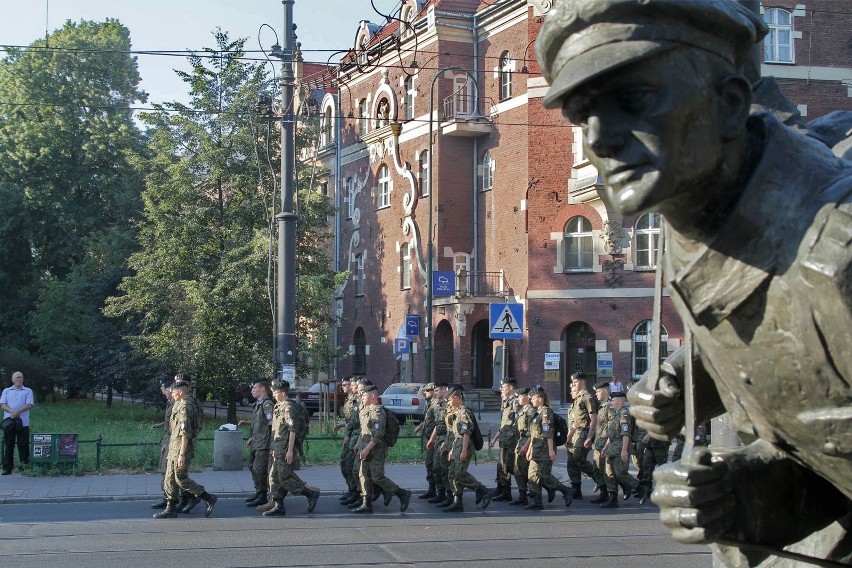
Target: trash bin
227, 450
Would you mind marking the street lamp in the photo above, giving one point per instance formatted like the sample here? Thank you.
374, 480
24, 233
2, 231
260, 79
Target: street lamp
475, 116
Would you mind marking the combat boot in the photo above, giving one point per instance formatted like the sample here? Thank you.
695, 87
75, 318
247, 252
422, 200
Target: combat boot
484, 495
388, 498
602, 498
644, 494
366, 507
429, 494
354, 498
254, 497
577, 493
261, 499
160, 504
266, 507
170, 512
313, 497
345, 497
521, 500
277, 510
567, 494
612, 502
191, 502
503, 493
536, 504
211, 502
440, 496
448, 501
456, 506
184, 499
404, 499
551, 493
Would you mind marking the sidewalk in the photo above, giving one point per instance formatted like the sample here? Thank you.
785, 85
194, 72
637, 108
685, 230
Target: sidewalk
17, 488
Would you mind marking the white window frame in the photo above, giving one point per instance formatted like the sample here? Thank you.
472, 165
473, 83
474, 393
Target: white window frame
385, 187
410, 96
646, 240
641, 340
408, 14
359, 274
487, 172
505, 74
405, 266
424, 173
582, 260
781, 35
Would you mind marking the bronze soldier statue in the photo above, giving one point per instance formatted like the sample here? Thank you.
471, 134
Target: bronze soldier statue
758, 263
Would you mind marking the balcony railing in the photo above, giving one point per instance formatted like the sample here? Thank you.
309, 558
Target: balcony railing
480, 283
461, 106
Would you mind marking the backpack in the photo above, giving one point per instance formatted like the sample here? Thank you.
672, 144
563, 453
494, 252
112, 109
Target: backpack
560, 430
476, 436
391, 428
304, 417
197, 420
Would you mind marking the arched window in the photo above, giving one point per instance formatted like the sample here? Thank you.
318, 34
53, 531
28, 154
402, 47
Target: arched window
579, 245
327, 127
385, 186
404, 266
359, 275
778, 43
487, 173
408, 14
647, 240
363, 117
410, 94
505, 76
424, 173
359, 352
642, 338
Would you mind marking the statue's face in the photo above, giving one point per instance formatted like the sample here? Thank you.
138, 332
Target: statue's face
651, 129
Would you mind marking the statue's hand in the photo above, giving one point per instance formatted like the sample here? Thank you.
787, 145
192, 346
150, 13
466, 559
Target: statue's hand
658, 410
695, 498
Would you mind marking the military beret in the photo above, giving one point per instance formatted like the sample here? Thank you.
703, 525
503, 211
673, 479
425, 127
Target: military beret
368, 388
180, 383
364, 381
344, 381
618, 394
521, 391
582, 39
441, 384
536, 390
456, 389
264, 382
508, 381
429, 387
281, 386
166, 382
601, 384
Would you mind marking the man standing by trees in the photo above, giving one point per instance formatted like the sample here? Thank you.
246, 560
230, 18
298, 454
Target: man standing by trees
184, 424
16, 402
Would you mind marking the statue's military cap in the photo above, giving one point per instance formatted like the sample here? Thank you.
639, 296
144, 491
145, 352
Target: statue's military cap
582, 39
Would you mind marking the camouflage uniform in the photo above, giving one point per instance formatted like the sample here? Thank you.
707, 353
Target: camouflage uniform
282, 479
525, 416
347, 453
541, 468
167, 434
460, 423
441, 464
177, 479
508, 440
372, 469
604, 416
261, 435
616, 468
580, 419
429, 423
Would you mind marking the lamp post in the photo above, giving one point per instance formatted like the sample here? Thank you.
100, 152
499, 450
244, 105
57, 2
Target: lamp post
475, 115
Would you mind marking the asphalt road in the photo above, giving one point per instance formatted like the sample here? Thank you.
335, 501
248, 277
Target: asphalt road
122, 534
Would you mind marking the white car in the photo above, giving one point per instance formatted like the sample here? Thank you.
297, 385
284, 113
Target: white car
406, 400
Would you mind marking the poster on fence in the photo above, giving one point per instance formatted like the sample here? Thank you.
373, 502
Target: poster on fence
68, 445
42, 444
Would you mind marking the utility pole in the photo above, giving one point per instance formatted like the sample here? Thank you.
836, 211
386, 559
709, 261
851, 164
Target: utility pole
285, 313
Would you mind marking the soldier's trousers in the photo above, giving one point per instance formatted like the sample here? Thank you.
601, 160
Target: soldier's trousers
347, 467
522, 468
578, 458
617, 474
372, 473
541, 476
506, 466
282, 478
177, 480
441, 468
656, 453
461, 478
164, 455
259, 467
637, 456
429, 463
599, 462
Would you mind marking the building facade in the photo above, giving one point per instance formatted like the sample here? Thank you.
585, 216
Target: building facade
513, 202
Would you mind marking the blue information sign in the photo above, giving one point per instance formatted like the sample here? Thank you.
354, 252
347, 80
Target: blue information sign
412, 325
506, 321
401, 346
443, 283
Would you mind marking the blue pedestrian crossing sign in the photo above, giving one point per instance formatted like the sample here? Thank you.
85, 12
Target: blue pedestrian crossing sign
506, 321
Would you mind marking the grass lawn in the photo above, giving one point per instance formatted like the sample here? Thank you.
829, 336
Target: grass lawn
136, 448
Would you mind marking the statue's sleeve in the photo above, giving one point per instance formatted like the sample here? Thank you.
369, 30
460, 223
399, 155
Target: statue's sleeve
709, 404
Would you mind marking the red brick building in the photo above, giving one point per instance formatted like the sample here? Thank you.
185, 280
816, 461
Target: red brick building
515, 207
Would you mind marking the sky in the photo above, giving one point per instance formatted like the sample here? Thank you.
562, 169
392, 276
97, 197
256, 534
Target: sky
188, 24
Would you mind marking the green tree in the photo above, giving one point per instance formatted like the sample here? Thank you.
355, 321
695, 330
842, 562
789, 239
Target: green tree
70, 191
